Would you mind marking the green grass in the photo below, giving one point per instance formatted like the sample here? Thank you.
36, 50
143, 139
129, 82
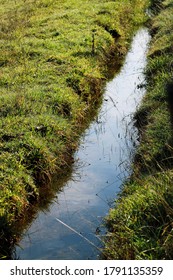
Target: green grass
53, 66
141, 224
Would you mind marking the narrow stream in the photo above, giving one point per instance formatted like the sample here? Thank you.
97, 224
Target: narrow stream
102, 164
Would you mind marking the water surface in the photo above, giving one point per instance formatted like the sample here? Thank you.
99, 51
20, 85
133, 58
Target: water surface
102, 164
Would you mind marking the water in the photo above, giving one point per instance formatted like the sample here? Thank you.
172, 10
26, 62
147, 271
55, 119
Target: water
102, 163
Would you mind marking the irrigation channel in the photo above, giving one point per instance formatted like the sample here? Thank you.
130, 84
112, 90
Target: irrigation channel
72, 227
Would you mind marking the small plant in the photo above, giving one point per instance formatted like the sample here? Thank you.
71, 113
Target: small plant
93, 40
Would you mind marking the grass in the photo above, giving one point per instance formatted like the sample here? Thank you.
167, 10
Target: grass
141, 224
53, 65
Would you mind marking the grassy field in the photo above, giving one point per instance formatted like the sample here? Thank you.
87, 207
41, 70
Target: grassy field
54, 61
141, 225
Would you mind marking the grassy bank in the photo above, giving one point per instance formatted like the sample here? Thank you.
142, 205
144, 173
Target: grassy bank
141, 224
53, 66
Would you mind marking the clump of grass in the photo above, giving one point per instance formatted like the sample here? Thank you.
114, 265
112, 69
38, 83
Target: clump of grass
141, 225
141, 222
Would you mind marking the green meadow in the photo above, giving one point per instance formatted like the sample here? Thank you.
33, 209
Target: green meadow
54, 62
